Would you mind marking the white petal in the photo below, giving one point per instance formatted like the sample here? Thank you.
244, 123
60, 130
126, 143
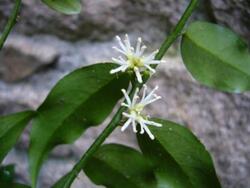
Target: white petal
152, 62
146, 102
119, 50
149, 68
124, 104
144, 91
128, 115
121, 43
138, 75
151, 56
151, 93
149, 133
120, 61
142, 127
138, 46
126, 97
122, 68
135, 97
134, 126
126, 124
127, 42
143, 48
152, 123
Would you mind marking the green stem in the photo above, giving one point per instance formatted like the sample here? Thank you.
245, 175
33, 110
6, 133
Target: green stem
97, 143
11, 22
118, 116
177, 30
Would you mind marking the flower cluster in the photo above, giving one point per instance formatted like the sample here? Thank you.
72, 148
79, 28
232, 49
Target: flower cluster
134, 58
135, 107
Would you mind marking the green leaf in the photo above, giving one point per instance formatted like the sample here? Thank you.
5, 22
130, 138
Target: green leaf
179, 158
7, 174
13, 185
65, 6
216, 57
61, 183
18, 185
82, 99
116, 166
11, 127
167, 171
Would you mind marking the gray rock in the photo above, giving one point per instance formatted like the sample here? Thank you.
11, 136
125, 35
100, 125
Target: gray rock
234, 14
103, 19
100, 19
21, 57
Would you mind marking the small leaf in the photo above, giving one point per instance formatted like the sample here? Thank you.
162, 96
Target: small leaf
11, 126
179, 157
116, 166
216, 57
65, 6
82, 99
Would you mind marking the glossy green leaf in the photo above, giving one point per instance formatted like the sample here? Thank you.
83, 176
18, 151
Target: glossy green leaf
82, 99
11, 126
167, 171
216, 57
176, 152
116, 166
65, 6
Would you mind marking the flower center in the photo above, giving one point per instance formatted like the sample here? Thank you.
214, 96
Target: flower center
135, 61
137, 109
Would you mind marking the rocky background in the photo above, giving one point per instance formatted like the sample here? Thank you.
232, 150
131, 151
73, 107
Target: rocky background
46, 45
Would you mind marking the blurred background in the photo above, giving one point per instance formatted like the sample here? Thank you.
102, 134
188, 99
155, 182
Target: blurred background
46, 45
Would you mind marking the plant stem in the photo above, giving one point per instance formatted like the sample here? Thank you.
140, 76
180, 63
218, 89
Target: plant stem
100, 139
11, 22
118, 116
177, 30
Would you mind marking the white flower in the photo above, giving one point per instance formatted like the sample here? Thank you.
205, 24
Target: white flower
134, 58
135, 109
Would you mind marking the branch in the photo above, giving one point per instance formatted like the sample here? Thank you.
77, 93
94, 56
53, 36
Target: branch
11, 22
177, 30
